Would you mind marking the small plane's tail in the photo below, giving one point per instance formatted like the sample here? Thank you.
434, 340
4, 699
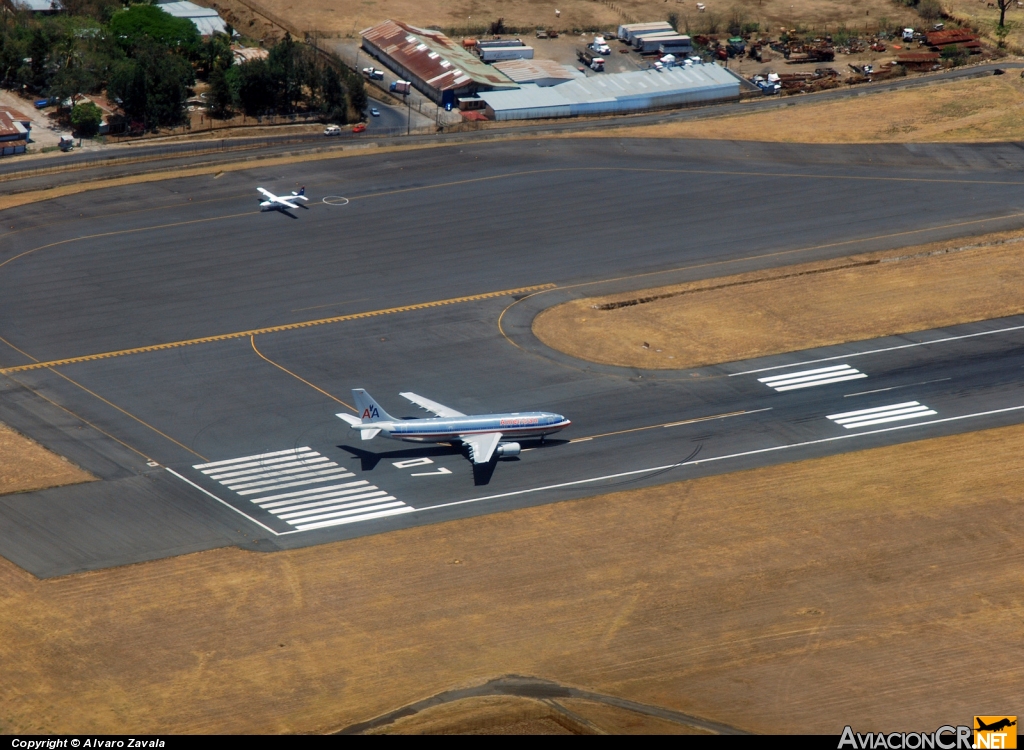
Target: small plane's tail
368, 409
300, 194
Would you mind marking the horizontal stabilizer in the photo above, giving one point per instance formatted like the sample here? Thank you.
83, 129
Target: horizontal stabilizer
369, 434
350, 419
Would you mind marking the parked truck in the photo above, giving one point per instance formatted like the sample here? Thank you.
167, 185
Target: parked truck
400, 87
589, 58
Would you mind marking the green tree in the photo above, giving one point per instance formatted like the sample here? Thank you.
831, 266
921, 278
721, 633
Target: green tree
153, 85
285, 66
257, 87
332, 96
356, 91
220, 92
213, 52
12, 52
38, 52
147, 23
86, 118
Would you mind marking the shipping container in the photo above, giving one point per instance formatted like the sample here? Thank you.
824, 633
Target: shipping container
493, 54
627, 30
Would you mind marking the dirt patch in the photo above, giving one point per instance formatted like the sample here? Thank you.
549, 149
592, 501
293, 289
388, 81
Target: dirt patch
794, 307
977, 110
870, 588
347, 18
25, 465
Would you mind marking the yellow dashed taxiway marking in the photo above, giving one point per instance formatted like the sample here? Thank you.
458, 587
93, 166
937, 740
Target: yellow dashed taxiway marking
273, 329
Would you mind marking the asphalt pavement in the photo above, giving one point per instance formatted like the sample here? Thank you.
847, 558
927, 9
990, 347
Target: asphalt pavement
199, 349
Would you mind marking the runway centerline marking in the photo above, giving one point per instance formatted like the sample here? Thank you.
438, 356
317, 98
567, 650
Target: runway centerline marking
945, 340
273, 329
696, 462
668, 424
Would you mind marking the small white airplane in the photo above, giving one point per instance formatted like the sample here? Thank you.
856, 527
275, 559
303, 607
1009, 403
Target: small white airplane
277, 202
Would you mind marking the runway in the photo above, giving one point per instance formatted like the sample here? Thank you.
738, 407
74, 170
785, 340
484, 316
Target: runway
196, 349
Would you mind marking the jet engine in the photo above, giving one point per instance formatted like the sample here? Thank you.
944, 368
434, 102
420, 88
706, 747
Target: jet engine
505, 450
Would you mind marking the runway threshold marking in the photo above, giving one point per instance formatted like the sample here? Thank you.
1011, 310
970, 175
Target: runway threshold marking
273, 329
792, 381
667, 424
327, 494
945, 340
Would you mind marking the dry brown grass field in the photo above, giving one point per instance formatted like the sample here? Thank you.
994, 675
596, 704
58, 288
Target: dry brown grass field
871, 588
26, 466
987, 109
349, 17
793, 307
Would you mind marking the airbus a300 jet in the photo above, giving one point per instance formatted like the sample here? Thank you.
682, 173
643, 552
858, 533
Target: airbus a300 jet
481, 433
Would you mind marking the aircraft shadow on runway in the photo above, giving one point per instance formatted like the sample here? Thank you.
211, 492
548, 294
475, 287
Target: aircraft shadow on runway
370, 459
482, 473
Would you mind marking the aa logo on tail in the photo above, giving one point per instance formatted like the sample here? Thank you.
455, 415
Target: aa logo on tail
995, 732
370, 412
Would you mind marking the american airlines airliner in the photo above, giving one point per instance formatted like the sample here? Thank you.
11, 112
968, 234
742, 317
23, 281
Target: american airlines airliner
481, 433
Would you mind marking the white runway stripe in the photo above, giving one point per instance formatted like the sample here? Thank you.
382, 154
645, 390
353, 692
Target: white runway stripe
308, 463
357, 512
314, 494
355, 519
249, 458
367, 498
809, 378
258, 490
267, 462
271, 477
881, 414
252, 468
332, 503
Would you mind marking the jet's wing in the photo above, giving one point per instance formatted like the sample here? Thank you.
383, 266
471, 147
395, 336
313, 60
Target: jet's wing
267, 194
284, 202
481, 447
432, 406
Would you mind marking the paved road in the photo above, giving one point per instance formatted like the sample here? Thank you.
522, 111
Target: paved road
30, 174
238, 334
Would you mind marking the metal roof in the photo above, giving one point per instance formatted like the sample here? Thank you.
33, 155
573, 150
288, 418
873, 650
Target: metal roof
619, 91
529, 71
207, 20
38, 6
432, 56
10, 126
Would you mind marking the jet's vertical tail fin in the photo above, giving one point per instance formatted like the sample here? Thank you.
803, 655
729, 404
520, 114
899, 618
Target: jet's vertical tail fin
368, 409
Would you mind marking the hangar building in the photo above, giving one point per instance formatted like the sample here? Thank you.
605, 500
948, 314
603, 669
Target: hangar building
438, 67
207, 20
615, 94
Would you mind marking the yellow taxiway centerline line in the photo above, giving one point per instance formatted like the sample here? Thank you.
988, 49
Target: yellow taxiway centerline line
271, 329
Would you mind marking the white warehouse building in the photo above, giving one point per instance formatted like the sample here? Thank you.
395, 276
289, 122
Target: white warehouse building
615, 94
